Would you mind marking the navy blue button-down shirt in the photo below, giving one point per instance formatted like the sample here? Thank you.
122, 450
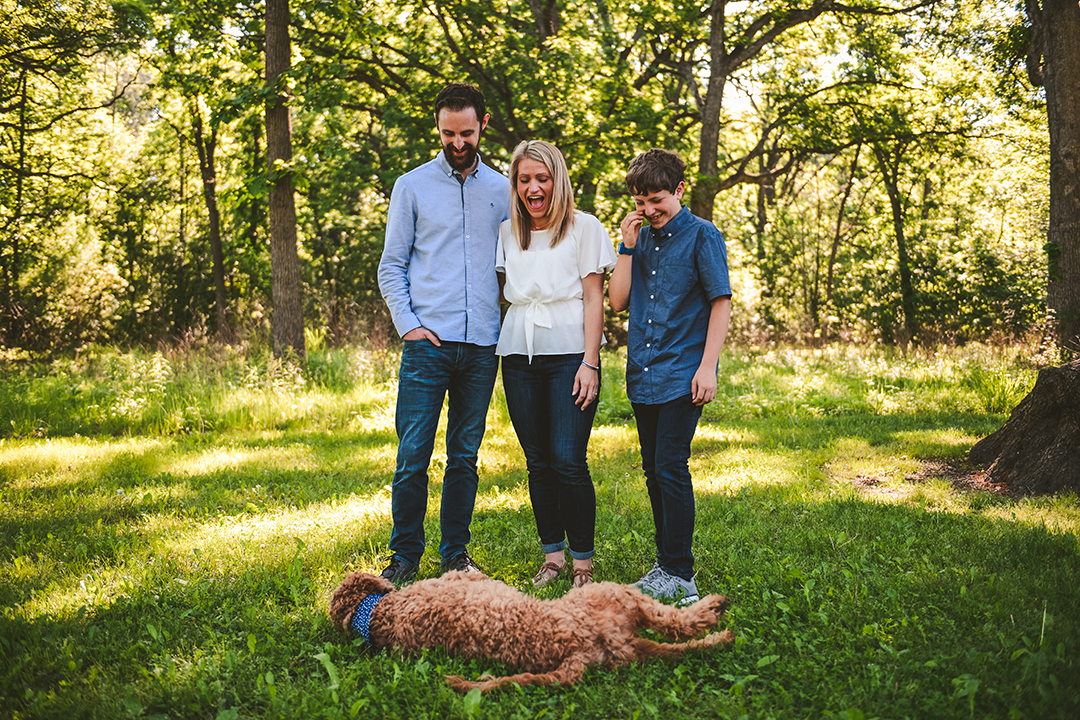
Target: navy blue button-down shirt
678, 271
438, 263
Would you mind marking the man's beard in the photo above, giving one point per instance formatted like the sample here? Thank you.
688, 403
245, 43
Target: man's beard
460, 160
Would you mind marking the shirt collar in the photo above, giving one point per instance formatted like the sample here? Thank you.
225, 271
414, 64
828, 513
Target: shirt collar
444, 165
673, 226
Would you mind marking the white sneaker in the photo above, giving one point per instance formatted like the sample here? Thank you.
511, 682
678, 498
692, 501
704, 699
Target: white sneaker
662, 585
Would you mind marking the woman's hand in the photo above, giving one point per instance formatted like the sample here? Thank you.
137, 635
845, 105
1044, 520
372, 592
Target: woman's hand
586, 386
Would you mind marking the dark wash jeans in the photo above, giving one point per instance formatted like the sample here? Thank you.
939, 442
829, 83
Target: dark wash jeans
467, 373
665, 431
554, 434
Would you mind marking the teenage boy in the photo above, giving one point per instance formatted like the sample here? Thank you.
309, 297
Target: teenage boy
673, 275
437, 275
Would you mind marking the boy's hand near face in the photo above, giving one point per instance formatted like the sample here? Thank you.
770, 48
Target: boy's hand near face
630, 227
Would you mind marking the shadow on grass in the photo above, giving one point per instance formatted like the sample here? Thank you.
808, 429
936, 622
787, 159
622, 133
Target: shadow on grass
818, 590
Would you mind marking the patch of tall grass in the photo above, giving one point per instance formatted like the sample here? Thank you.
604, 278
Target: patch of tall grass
105, 391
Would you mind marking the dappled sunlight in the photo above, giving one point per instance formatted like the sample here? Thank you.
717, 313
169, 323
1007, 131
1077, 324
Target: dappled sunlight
739, 467
1059, 516
727, 435
225, 546
216, 459
503, 498
320, 525
58, 461
925, 442
613, 439
857, 456
376, 418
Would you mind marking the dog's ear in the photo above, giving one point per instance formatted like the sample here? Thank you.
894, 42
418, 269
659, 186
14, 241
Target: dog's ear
354, 588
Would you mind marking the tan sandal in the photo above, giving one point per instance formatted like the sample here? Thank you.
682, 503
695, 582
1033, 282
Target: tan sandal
581, 577
548, 572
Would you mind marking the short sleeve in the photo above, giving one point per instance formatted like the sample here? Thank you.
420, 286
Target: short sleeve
712, 263
596, 254
500, 252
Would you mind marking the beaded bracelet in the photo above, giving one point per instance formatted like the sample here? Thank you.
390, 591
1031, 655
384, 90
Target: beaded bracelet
591, 367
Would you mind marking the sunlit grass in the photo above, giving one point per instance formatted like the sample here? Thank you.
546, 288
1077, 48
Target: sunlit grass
178, 561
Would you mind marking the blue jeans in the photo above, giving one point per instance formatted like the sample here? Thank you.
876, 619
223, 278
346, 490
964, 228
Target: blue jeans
554, 434
467, 372
665, 431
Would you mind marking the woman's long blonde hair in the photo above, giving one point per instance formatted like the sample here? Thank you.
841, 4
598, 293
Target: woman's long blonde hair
561, 208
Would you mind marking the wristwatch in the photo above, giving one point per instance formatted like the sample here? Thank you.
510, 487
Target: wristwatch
623, 250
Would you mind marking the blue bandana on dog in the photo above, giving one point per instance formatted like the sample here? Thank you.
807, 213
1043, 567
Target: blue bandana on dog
361, 619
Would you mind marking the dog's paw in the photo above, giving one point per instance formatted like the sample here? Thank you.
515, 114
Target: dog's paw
719, 638
716, 603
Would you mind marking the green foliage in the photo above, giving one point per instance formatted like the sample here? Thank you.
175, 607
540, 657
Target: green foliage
142, 116
162, 573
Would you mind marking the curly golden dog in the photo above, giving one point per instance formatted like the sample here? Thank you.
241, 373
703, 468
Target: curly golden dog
550, 641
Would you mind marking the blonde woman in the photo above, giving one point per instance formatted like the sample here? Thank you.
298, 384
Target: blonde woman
552, 261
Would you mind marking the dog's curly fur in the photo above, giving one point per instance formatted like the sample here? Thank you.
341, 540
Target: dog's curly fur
551, 641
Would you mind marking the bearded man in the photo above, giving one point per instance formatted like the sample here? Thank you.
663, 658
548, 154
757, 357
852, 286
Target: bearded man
437, 275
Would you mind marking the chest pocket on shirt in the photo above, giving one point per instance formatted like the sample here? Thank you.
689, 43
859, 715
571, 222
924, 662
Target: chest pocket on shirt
678, 278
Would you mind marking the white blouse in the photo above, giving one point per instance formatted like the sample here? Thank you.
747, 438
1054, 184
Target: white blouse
543, 286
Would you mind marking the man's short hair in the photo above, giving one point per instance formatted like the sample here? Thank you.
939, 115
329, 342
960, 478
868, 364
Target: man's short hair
654, 171
458, 96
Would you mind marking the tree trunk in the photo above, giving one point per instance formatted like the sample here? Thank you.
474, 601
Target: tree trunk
1056, 31
10, 311
889, 164
703, 194
838, 234
206, 147
1037, 451
288, 315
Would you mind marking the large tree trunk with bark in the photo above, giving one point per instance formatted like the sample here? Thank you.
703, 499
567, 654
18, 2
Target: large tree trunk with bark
1037, 451
288, 316
1056, 43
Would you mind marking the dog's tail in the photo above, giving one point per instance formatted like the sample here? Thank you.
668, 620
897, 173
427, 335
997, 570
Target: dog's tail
571, 670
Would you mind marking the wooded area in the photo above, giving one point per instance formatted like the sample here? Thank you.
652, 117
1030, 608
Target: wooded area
882, 170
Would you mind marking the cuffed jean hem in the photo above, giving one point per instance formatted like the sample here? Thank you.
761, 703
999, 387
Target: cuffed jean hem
561, 546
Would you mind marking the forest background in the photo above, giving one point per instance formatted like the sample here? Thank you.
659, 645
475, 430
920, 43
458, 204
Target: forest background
177, 501
879, 169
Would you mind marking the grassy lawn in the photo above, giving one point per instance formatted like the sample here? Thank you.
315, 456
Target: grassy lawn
171, 527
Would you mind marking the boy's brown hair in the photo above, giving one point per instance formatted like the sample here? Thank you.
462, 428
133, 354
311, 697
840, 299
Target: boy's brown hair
654, 171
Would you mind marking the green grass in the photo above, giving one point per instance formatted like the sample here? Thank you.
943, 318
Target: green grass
171, 526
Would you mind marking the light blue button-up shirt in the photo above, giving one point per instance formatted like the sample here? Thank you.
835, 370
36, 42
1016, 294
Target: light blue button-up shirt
438, 263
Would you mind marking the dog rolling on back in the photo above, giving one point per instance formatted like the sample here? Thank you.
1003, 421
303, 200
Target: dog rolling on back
550, 641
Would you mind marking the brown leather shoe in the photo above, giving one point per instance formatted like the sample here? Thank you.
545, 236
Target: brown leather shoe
581, 577
548, 572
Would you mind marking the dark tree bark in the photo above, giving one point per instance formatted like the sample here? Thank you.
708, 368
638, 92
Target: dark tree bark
1037, 451
288, 315
1054, 63
206, 147
890, 162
